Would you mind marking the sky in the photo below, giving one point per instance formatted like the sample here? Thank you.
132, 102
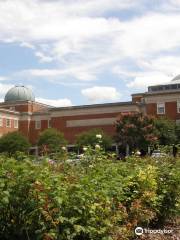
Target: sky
76, 52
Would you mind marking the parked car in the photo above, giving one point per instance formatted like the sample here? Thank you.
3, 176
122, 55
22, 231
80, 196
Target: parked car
158, 153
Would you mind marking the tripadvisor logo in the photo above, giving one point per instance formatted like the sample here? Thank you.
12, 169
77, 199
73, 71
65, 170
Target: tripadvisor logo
138, 231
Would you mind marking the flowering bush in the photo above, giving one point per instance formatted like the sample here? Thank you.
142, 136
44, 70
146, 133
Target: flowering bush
135, 130
93, 137
102, 199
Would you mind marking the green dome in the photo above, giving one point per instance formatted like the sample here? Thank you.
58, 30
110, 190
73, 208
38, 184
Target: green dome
19, 93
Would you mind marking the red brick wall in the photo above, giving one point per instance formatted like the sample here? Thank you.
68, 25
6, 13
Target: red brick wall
5, 130
24, 128
35, 107
25, 107
70, 132
30, 107
170, 110
136, 99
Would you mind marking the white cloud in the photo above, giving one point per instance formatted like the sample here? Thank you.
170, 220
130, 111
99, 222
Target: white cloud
78, 32
84, 42
143, 80
27, 45
43, 58
55, 102
169, 65
4, 88
56, 74
98, 94
3, 78
160, 70
36, 19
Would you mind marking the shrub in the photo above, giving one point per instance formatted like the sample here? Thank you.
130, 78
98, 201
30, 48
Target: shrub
135, 130
166, 131
63, 201
51, 140
13, 142
90, 138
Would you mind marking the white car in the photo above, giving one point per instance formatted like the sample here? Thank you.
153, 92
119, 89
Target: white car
157, 154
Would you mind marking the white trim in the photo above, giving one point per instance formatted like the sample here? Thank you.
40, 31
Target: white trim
8, 125
40, 117
178, 106
95, 110
161, 98
161, 105
16, 123
38, 124
1, 122
7, 111
49, 123
90, 122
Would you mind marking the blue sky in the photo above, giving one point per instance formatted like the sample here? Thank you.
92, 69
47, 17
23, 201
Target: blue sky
73, 52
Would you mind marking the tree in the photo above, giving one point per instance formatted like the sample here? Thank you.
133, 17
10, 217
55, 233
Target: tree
51, 140
91, 138
13, 142
177, 131
135, 130
166, 131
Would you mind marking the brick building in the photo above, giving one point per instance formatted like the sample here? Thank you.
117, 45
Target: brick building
20, 112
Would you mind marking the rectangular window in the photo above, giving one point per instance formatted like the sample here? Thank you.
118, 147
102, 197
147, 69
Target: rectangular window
16, 123
12, 108
178, 106
38, 124
160, 108
8, 122
49, 123
1, 122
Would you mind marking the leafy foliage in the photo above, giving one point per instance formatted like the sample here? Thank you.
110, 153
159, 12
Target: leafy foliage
135, 130
102, 199
89, 138
166, 131
51, 140
177, 131
13, 142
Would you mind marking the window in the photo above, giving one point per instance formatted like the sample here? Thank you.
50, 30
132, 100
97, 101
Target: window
38, 124
160, 108
12, 108
1, 122
178, 106
49, 123
16, 123
8, 122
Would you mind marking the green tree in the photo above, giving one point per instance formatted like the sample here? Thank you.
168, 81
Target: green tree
166, 131
92, 137
177, 131
13, 142
51, 140
135, 130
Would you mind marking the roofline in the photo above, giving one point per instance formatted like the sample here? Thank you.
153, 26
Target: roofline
22, 101
172, 91
137, 94
40, 113
164, 84
92, 106
9, 111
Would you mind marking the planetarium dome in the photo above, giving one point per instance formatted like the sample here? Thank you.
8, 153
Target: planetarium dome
19, 93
